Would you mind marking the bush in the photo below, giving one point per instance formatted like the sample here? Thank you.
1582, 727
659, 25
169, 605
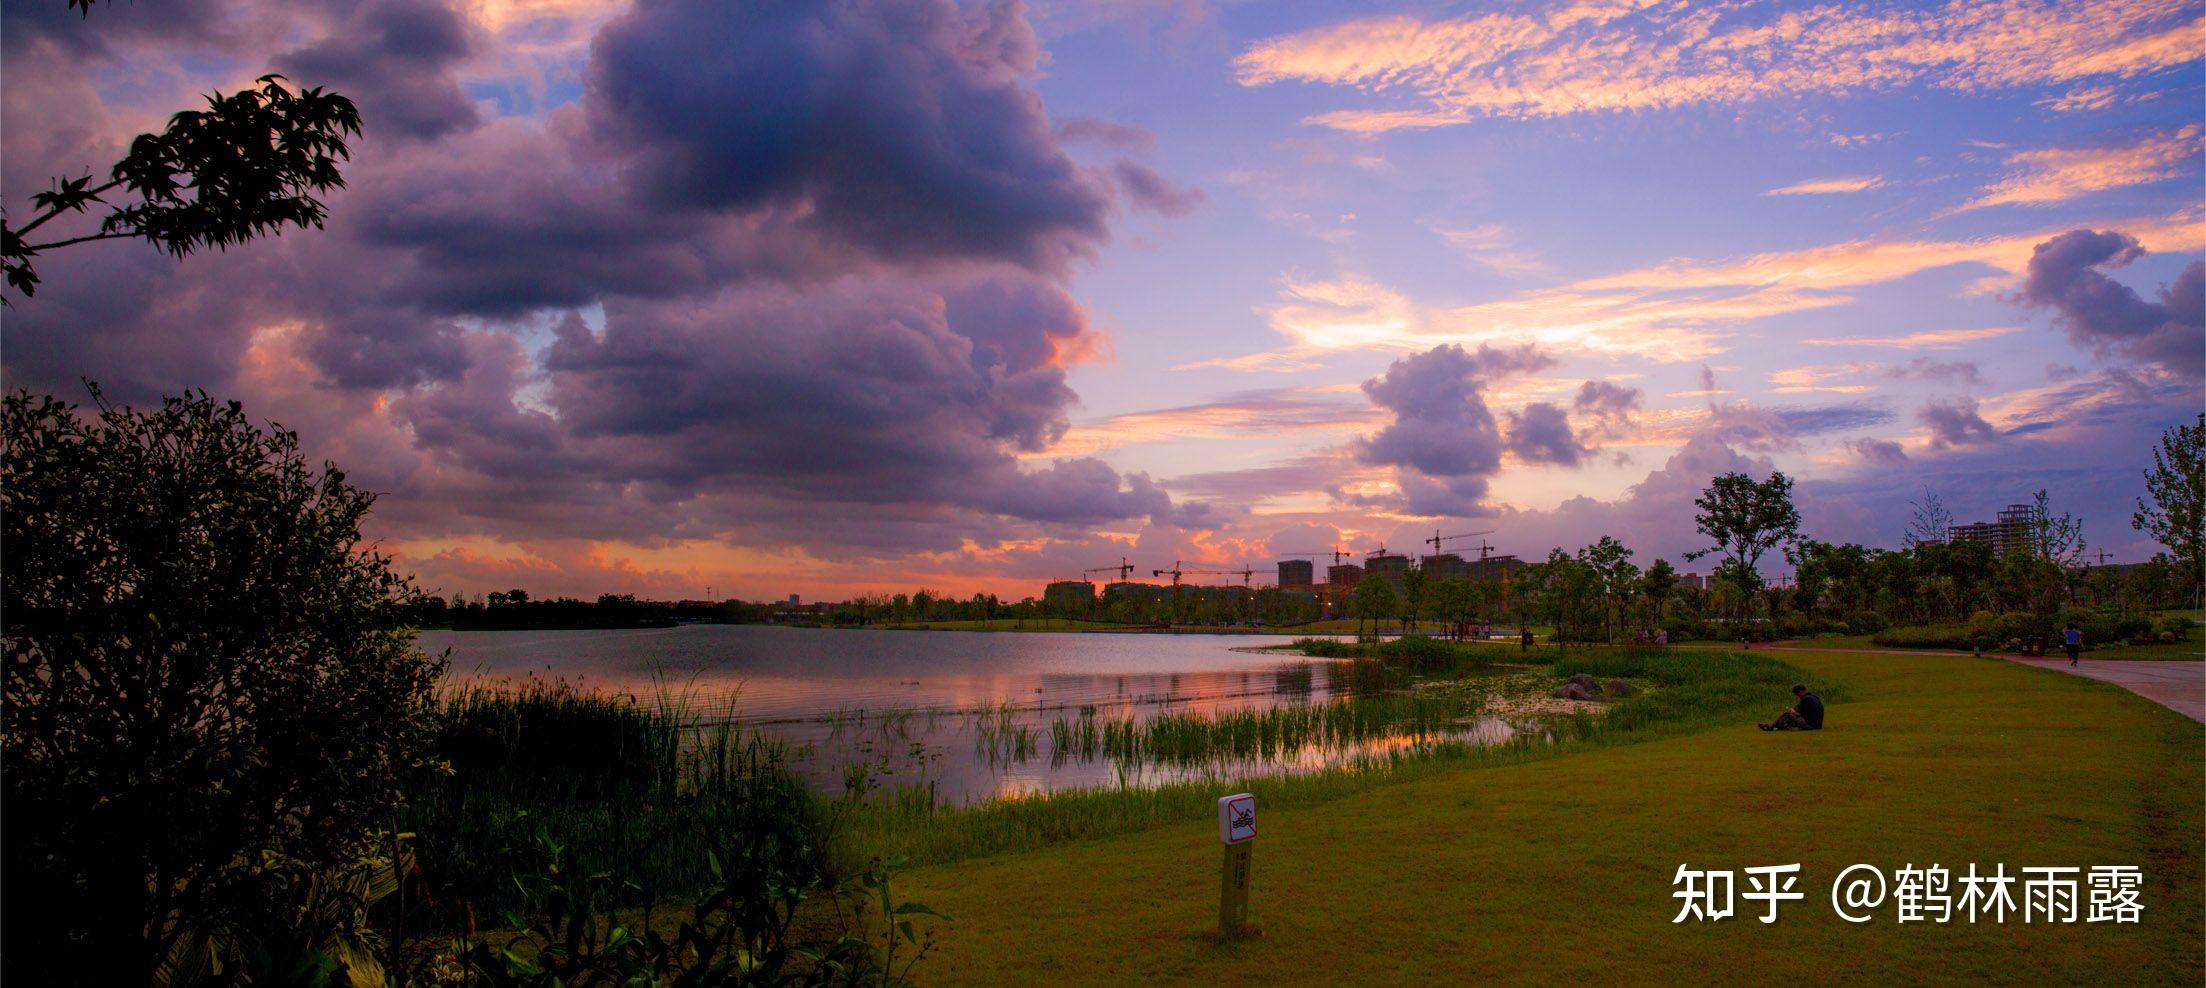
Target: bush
2010, 632
206, 683
1865, 622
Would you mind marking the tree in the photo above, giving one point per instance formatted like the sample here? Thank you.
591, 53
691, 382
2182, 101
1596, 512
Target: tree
1746, 518
2057, 539
1375, 600
1658, 584
1610, 563
2177, 485
249, 165
1412, 603
1931, 522
207, 679
1566, 589
1455, 601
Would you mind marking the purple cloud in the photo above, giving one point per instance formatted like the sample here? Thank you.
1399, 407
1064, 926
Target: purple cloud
1878, 452
2067, 275
395, 57
905, 126
1443, 436
1147, 190
1956, 423
739, 325
1541, 433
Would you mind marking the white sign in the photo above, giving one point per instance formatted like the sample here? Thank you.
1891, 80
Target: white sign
1237, 818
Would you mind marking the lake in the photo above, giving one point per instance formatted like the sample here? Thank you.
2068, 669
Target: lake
976, 715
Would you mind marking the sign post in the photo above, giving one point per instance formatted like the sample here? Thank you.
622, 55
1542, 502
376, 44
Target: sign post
1237, 833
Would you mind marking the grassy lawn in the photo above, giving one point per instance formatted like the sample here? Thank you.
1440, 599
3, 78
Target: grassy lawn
2192, 649
1560, 869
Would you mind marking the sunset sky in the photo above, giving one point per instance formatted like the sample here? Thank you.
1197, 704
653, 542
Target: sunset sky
845, 296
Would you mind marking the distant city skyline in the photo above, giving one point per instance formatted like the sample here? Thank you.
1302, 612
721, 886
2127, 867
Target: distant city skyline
871, 295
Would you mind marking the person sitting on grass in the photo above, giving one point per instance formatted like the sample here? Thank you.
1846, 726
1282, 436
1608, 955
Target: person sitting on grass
1806, 715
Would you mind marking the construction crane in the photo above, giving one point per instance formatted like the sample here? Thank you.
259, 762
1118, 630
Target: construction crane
1336, 552
1124, 569
1438, 539
1178, 571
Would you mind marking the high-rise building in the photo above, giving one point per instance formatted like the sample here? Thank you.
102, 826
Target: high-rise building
1069, 596
1442, 566
1344, 575
2013, 529
1389, 565
1297, 573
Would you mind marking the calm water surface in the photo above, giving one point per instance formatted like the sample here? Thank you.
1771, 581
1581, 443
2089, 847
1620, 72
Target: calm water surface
965, 715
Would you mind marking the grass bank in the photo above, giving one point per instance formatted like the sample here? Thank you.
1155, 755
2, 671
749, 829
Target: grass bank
1559, 869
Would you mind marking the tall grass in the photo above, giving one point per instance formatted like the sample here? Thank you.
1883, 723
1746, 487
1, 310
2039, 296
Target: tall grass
1692, 690
640, 790
1267, 733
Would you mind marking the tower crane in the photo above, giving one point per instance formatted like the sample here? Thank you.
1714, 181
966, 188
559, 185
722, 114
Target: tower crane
1176, 572
1438, 539
1336, 552
1124, 569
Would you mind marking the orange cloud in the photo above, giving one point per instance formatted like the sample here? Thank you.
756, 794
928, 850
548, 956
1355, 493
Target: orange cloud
1661, 53
2054, 175
1672, 312
1934, 339
1828, 186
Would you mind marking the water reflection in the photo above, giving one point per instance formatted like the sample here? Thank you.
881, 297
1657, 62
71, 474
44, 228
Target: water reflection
966, 716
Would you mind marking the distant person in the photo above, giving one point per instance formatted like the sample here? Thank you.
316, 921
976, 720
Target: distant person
2072, 640
1805, 715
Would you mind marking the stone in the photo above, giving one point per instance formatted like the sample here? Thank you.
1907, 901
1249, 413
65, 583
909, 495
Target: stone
1577, 691
1584, 679
1618, 687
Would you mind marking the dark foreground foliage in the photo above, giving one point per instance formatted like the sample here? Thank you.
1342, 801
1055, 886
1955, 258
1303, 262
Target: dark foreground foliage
206, 690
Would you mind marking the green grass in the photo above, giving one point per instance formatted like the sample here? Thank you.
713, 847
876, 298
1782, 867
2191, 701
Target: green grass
1559, 869
2192, 649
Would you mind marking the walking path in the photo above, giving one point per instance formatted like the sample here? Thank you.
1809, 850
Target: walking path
2179, 686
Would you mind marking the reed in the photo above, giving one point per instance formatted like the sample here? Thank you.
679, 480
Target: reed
1692, 690
635, 788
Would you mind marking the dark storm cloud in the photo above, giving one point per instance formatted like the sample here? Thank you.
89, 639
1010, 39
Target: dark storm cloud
904, 125
1541, 433
2067, 275
1956, 423
798, 345
395, 58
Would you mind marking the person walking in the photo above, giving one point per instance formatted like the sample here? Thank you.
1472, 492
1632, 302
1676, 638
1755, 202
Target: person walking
2072, 640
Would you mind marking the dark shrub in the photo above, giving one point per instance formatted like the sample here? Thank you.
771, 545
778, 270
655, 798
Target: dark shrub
206, 682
